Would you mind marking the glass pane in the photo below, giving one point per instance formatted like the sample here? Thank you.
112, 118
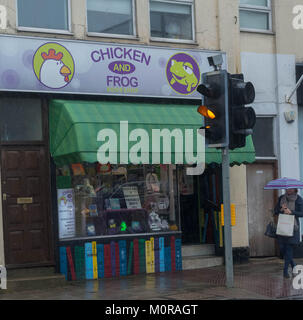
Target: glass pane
43, 14
254, 20
116, 199
172, 21
20, 119
114, 17
262, 3
263, 137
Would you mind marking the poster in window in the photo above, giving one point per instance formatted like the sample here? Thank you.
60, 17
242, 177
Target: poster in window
66, 213
132, 198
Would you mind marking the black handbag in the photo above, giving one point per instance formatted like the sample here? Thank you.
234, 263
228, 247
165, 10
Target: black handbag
271, 230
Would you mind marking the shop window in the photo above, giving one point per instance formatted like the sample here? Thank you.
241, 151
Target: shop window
263, 137
106, 200
255, 15
43, 14
20, 119
171, 20
111, 17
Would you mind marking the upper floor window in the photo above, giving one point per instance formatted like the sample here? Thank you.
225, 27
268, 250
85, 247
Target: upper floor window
255, 15
171, 19
111, 17
263, 137
43, 15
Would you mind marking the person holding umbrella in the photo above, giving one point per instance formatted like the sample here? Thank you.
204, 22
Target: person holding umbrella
288, 203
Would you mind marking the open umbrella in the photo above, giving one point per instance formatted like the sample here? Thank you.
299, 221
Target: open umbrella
284, 183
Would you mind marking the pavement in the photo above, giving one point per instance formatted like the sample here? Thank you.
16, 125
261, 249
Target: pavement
260, 279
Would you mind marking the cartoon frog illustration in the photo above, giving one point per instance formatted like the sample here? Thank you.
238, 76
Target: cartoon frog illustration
183, 73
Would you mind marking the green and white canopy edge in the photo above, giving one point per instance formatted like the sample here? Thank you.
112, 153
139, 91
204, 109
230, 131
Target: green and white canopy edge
74, 126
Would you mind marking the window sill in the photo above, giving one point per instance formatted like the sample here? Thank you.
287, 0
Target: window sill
266, 159
112, 36
267, 32
180, 41
92, 238
41, 30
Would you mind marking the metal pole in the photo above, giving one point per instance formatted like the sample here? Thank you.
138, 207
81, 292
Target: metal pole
288, 98
229, 273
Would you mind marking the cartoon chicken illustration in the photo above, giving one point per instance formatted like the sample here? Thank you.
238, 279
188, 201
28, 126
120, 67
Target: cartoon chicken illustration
54, 73
62, 200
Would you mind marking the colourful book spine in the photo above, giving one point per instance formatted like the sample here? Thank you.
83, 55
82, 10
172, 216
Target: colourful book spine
148, 256
162, 254
173, 253
167, 259
100, 260
113, 257
123, 257
95, 263
130, 257
157, 255
71, 263
117, 255
178, 255
107, 261
152, 254
63, 262
136, 257
89, 274
142, 260
79, 262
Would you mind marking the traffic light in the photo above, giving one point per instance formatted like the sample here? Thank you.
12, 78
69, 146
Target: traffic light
214, 108
241, 119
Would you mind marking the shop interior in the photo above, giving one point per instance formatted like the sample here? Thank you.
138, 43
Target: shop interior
200, 199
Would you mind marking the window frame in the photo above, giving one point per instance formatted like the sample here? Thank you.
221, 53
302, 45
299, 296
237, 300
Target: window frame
184, 2
257, 9
46, 30
115, 35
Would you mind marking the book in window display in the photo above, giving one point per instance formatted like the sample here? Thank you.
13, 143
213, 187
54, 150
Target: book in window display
78, 169
93, 212
131, 197
114, 204
112, 227
90, 229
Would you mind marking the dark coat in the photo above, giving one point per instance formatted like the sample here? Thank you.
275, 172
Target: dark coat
298, 212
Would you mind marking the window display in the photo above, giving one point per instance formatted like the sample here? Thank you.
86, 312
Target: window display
116, 200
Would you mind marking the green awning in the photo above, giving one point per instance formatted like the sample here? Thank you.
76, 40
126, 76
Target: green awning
237, 156
74, 127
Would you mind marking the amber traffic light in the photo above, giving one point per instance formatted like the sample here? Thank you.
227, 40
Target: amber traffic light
205, 112
214, 107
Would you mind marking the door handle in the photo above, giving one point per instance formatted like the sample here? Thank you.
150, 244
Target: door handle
4, 196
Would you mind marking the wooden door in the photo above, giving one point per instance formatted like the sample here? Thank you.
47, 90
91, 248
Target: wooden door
27, 223
260, 208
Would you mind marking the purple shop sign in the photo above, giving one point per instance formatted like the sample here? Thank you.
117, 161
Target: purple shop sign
76, 67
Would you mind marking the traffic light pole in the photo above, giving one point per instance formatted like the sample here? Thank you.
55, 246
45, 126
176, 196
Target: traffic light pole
229, 273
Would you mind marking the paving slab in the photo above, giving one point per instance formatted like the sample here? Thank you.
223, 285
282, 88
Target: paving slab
260, 279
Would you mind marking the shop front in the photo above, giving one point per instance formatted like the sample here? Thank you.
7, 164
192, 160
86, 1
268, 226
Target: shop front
94, 170
123, 207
